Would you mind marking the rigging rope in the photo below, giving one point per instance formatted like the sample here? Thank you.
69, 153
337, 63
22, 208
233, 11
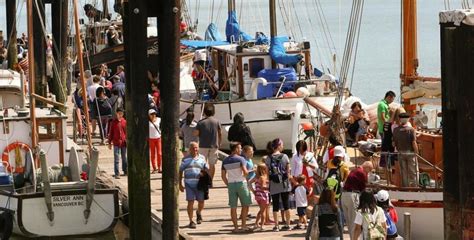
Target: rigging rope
297, 19
327, 34
352, 32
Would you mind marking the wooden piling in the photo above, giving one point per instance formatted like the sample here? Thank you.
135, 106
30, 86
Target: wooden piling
39, 45
452, 214
457, 59
11, 33
169, 53
137, 86
465, 105
60, 34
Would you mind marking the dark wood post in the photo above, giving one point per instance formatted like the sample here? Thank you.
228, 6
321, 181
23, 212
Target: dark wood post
59, 30
169, 53
465, 105
39, 45
452, 213
457, 59
137, 85
11, 33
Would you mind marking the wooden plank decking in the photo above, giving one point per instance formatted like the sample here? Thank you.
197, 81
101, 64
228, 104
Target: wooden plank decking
216, 216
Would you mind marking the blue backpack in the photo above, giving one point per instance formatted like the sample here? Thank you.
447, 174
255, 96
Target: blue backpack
391, 227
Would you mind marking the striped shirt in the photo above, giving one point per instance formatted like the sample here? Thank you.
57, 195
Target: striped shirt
192, 169
233, 165
24, 66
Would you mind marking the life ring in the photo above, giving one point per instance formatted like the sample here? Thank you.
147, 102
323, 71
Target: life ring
6, 224
6, 157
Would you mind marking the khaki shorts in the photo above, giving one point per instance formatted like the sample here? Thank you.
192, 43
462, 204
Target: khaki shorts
210, 154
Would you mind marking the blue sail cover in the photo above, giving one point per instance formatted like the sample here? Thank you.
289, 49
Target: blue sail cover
278, 52
232, 29
198, 44
212, 33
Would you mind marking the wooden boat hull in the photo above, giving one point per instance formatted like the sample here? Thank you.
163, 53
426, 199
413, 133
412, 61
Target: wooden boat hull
115, 56
30, 217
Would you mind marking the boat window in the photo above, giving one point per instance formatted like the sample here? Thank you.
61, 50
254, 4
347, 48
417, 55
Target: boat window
255, 66
48, 130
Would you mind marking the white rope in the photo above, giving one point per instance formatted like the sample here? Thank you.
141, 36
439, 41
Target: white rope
351, 39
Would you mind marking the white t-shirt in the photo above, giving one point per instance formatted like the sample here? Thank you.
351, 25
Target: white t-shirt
155, 132
296, 164
378, 217
91, 91
301, 196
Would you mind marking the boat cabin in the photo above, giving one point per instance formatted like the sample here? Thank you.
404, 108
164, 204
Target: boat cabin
15, 126
238, 66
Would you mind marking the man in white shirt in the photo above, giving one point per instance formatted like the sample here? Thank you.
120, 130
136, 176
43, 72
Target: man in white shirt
91, 92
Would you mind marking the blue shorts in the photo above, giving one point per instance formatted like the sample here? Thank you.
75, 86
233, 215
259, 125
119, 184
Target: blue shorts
301, 211
192, 193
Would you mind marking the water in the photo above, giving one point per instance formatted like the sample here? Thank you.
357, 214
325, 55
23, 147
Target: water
378, 61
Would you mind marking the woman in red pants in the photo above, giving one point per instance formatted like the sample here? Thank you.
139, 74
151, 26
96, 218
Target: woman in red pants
155, 140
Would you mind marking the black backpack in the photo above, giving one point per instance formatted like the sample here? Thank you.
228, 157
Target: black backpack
278, 173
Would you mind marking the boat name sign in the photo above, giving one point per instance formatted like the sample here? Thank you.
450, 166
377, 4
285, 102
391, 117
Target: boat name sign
69, 201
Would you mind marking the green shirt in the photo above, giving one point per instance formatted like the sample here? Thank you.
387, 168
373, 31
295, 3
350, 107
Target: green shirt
382, 108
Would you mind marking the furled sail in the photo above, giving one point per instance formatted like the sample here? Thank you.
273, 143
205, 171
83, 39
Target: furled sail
233, 31
278, 52
212, 33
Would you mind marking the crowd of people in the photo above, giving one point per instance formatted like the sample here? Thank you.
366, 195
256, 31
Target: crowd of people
301, 184
106, 103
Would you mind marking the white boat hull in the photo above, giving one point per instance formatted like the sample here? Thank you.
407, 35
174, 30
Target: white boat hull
426, 213
30, 210
260, 116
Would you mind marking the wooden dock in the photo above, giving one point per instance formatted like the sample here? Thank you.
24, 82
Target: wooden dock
216, 214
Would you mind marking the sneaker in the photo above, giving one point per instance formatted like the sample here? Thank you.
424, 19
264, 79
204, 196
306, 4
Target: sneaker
198, 218
285, 228
276, 229
116, 176
192, 225
297, 227
124, 174
154, 172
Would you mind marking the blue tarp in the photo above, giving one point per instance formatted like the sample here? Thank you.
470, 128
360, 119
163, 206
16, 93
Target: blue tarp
212, 33
202, 44
261, 39
232, 29
278, 52
273, 78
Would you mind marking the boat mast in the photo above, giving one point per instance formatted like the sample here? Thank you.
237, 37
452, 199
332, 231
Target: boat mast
230, 5
81, 76
410, 54
273, 24
31, 73
105, 6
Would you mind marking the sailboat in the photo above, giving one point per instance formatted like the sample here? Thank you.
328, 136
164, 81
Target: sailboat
47, 192
260, 78
425, 203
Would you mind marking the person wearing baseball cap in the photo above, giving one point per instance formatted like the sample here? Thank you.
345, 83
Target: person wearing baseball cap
154, 127
383, 201
404, 139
